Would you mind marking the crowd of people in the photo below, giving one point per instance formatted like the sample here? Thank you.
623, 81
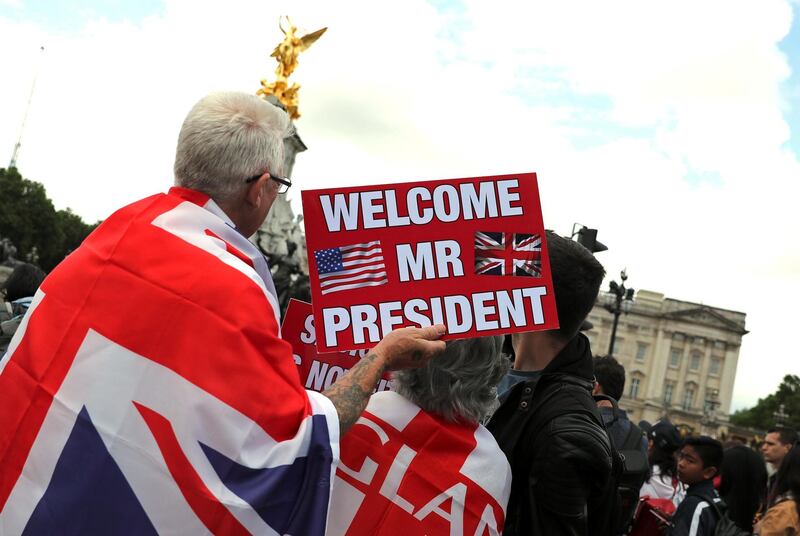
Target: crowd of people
471, 440
17, 292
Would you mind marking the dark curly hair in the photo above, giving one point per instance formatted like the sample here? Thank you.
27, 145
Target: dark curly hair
23, 281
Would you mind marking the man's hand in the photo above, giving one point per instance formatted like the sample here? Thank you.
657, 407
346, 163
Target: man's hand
400, 349
410, 347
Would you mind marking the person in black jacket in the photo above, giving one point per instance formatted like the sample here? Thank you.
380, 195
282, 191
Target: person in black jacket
626, 437
548, 424
610, 381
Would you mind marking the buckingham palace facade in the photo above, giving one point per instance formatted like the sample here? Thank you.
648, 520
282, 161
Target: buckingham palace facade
680, 359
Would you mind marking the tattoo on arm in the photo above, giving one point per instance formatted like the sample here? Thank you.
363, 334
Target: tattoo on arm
351, 392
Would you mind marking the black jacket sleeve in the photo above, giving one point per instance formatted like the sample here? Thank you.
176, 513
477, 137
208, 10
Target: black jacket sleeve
571, 476
694, 517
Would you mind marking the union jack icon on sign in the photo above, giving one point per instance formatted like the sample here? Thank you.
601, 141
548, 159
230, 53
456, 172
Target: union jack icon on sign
508, 254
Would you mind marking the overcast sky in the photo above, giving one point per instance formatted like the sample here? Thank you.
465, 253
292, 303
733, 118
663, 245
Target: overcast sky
672, 127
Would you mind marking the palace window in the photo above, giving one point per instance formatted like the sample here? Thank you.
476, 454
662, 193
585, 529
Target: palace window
634, 388
669, 388
675, 357
617, 346
711, 402
688, 397
641, 351
716, 366
694, 364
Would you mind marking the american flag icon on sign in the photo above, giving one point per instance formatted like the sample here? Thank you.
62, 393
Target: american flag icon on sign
508, 254
350, 267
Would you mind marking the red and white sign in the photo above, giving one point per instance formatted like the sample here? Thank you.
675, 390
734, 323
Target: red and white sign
317, 371
468, 253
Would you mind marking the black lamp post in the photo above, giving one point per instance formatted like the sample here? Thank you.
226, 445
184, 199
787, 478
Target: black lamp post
709, 419
620, 301
780, 415
587, 238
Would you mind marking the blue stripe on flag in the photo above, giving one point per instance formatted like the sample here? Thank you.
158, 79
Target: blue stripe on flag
292, 499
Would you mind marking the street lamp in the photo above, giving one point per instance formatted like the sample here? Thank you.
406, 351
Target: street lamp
587, 238
780, 415
709, 417
620, 300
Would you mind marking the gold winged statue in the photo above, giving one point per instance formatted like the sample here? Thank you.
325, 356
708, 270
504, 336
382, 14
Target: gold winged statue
286, 54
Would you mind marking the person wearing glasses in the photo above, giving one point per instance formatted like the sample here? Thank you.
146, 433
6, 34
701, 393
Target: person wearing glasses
150, 390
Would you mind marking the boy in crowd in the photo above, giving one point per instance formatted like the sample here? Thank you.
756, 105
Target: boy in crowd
698, 463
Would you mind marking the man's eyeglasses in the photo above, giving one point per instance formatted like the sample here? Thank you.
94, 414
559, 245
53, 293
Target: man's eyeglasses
284, 182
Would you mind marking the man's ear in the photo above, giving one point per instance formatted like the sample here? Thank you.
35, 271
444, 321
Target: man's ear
255, 190
710, 472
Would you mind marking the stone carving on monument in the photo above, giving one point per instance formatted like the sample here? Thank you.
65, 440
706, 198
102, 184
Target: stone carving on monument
8, 253
281, 236
8, 259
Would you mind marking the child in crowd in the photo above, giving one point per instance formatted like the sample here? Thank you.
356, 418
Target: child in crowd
663, 441
698, 463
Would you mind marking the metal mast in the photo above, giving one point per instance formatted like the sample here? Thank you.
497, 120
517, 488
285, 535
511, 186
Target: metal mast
13, 162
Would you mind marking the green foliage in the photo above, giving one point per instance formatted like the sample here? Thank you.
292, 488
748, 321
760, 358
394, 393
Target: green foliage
762, 415
29, 220
74, 229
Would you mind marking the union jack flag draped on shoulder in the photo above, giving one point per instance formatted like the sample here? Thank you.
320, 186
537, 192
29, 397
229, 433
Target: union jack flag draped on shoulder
148, 390
515, 254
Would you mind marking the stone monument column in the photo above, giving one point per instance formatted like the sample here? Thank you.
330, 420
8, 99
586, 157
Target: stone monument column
282, 225
281, 236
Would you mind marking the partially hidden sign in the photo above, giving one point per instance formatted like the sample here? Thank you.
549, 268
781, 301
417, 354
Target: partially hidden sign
317, 371
469, 253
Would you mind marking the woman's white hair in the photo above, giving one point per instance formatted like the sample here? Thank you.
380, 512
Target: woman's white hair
461, 383
227, 138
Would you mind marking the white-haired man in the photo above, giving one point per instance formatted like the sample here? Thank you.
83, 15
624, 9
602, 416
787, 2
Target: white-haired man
148, 390
419, 462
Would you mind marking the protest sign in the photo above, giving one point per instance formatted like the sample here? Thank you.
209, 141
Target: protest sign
317, 371
469, 253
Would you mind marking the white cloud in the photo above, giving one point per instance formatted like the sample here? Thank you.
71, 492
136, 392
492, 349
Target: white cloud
686, 174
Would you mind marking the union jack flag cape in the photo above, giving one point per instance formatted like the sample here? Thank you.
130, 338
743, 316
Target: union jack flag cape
405, 471
148, 390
